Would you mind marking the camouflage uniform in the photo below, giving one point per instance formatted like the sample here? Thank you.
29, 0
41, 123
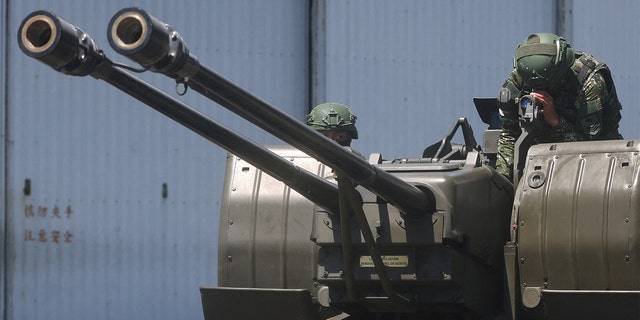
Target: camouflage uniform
587, 105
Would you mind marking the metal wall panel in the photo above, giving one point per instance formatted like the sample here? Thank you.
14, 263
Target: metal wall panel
89, 232
410, 68
3, 154
610, 32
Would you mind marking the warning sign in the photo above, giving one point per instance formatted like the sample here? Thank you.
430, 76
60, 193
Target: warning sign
389, 261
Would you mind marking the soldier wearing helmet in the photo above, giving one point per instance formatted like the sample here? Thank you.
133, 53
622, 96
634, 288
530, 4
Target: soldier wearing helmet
335, 121
575, 91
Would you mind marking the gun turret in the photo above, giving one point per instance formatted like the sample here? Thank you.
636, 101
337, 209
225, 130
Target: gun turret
68, 49
413, 236
156, 46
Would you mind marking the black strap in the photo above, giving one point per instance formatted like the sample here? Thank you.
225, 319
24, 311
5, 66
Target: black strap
537, 48
587, 66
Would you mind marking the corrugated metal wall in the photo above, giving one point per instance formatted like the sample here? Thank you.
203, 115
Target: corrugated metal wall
611, 32
94, 238
410, 68
3, 155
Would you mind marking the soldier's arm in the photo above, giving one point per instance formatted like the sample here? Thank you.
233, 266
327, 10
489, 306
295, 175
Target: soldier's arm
508, 136
565, 131
510, 129
588, 123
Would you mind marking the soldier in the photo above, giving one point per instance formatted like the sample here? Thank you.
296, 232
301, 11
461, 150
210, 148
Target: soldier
335, 121
574, 90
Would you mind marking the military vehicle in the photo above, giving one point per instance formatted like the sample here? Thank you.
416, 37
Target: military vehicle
313, 231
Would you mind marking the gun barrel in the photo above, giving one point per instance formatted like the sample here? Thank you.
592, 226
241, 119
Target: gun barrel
57, 43
153, 44
68, 49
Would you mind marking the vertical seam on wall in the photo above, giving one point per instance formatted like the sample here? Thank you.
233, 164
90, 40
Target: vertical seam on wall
564, 18
310, 55
4, 92
317, 61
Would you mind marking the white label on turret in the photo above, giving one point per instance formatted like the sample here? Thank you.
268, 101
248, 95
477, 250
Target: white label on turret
389, 261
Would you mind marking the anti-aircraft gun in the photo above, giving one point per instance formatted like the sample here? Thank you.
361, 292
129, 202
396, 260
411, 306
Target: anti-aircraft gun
404, 229
415, 220
397, 239
574, 225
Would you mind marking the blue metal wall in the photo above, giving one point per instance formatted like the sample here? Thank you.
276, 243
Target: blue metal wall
3, 155
410, 68
611, 32
96, 239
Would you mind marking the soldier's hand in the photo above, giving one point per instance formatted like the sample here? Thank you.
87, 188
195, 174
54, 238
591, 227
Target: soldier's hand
548, 107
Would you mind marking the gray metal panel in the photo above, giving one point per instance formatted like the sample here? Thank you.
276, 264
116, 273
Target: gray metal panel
578, 219
125, 251
265, 227
577, 216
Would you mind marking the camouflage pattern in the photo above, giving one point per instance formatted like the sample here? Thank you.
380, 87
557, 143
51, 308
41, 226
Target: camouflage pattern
586, 103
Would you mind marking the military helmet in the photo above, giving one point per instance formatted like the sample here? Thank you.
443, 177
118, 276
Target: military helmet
543, 59
333, 116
